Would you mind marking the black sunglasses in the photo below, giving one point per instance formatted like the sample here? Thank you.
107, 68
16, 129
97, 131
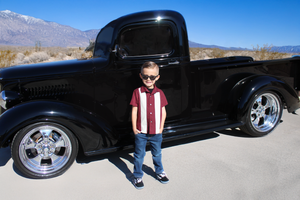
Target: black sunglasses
152, 78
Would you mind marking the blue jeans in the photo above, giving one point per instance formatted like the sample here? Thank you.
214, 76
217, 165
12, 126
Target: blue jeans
140, 152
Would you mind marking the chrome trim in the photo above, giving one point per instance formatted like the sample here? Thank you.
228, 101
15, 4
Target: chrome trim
265, 112
45, 149
3, 99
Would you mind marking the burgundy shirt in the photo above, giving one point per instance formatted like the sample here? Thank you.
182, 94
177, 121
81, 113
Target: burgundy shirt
149, 109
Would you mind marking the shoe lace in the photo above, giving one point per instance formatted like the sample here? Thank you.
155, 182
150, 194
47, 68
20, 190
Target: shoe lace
137, 180
163, 174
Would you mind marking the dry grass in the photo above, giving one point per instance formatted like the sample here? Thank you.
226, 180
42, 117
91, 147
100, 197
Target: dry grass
7, 57
258, 53
13, 55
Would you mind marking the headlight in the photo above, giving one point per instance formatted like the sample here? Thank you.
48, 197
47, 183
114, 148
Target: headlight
7, 96
3, 99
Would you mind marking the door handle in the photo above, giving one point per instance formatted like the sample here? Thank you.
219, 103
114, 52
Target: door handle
175, 62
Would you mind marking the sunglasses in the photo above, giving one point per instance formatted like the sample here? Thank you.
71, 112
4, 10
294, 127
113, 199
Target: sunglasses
152, 78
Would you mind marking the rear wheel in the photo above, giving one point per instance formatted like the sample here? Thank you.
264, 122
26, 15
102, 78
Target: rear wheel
44, 150
264, 114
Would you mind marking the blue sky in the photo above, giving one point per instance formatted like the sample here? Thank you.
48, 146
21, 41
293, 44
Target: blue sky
228, 23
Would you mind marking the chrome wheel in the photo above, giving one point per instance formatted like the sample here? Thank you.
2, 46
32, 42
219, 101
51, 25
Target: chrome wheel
44, 150
265, 112
263, 115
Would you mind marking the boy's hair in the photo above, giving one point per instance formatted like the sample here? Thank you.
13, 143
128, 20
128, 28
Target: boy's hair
150, 65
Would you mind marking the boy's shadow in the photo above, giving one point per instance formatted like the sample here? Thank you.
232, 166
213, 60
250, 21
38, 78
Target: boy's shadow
117, 158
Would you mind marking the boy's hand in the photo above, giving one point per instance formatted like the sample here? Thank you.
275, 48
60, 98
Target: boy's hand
136, 131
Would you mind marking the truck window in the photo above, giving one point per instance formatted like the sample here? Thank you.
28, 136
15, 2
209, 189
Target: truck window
103, 42
149, 40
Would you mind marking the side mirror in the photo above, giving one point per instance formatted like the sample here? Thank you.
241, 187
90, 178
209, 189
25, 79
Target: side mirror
115, 50
122, 53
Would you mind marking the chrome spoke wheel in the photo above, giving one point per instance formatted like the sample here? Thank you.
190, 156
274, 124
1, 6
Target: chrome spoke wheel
44, 150
265, 112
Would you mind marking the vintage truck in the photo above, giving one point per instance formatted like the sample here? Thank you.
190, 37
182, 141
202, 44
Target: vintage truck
50, 111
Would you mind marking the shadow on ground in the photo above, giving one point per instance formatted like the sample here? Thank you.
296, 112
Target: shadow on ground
117, 158
5, 156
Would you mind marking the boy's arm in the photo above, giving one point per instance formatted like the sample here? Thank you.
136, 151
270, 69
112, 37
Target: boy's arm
163, 118
133, 119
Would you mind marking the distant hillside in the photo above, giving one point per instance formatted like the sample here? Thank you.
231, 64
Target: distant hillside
16, 29
197, 45
287, 49
22, 30
283, 49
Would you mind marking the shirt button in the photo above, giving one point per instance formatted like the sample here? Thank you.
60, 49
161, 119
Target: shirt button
151, 113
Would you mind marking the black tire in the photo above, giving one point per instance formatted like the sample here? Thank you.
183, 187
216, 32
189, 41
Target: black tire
44, 150
264, 114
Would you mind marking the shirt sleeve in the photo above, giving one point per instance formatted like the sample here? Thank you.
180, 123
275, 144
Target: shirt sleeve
134, 99
164, 101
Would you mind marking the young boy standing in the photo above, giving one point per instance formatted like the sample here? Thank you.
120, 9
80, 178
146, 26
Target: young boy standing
148, 119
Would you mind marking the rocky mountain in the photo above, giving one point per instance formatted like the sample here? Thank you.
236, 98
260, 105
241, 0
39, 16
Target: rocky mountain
197, 45
17, 29
22, 30
287, 49
283, 49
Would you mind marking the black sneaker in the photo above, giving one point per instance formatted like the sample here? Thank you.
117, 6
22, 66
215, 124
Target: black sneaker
162, 178
138, 183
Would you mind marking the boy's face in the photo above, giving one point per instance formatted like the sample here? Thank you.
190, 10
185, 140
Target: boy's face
146, 76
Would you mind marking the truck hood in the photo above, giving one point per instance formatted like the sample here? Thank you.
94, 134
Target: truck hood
46, 69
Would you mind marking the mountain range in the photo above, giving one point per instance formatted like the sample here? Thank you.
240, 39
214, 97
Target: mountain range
22, 30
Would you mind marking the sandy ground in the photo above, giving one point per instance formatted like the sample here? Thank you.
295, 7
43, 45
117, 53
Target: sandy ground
222, 165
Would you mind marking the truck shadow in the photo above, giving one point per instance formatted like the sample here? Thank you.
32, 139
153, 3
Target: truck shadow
118, 158
236, 132
5, 156
121, 158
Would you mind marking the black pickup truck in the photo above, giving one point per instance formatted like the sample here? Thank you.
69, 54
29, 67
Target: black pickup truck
51, 110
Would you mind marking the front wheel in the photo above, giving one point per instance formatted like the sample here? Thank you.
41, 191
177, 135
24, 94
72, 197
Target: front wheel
44, 150
264, 114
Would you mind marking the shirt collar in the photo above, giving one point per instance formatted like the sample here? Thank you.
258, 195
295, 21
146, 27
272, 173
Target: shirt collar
145, 89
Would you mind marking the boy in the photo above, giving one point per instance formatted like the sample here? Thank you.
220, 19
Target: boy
148, 119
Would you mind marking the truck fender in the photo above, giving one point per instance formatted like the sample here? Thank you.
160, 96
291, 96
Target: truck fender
92, 131
244, 90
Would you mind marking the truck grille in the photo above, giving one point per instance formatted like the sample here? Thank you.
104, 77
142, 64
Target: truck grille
50, 91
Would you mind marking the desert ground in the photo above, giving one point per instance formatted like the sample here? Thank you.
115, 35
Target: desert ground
20, 55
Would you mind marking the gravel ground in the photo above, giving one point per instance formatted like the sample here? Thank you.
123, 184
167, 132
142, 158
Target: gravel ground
220, 165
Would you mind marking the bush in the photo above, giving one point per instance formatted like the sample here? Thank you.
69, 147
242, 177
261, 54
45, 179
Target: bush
6, 58
35, 57
266, 53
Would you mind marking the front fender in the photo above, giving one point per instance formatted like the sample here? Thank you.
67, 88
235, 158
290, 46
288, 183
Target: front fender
92, 131
246, 88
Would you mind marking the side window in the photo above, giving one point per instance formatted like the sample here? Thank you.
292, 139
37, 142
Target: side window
103, 42
148, 40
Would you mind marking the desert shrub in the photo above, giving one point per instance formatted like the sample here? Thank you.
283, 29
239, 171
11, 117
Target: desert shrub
19, 58
200, 53
35, 57
27, 53
6, 58
217, 53
266, 53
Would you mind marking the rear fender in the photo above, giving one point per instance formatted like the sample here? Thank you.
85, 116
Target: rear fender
92, 131
245, 89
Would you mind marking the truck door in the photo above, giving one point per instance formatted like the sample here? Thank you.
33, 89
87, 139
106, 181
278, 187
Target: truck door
137, 44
